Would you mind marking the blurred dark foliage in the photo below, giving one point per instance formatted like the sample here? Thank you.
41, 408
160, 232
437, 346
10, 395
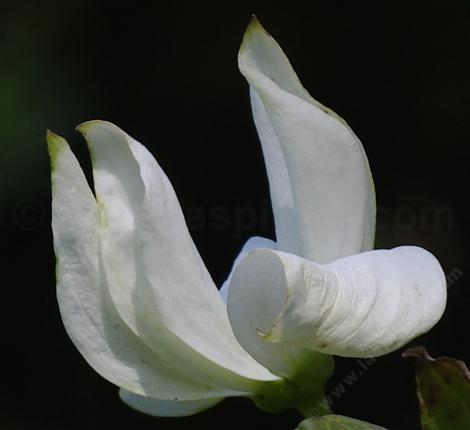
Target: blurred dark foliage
167, 74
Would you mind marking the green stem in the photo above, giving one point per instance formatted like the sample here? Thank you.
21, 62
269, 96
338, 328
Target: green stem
315, 408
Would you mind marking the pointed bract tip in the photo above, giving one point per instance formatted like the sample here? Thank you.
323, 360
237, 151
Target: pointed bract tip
54, 139
85, 127
51, 136
55, 144
255, 25
254, 20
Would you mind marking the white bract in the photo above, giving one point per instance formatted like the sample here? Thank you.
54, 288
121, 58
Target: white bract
140, 306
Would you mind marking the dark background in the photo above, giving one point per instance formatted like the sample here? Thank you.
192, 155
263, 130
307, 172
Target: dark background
398, 72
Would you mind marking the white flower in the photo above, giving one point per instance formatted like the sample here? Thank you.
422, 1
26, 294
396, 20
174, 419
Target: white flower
140, 306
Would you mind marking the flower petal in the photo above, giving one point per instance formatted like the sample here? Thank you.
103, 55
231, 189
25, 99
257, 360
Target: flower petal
321, 185
157, 280
87, 312
359, 306
166, 408
251, 244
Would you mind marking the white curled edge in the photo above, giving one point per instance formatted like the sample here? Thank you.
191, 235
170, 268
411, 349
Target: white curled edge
364, 305
251, 244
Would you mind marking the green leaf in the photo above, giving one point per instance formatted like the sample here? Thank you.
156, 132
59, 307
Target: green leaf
443, 387
336, 422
